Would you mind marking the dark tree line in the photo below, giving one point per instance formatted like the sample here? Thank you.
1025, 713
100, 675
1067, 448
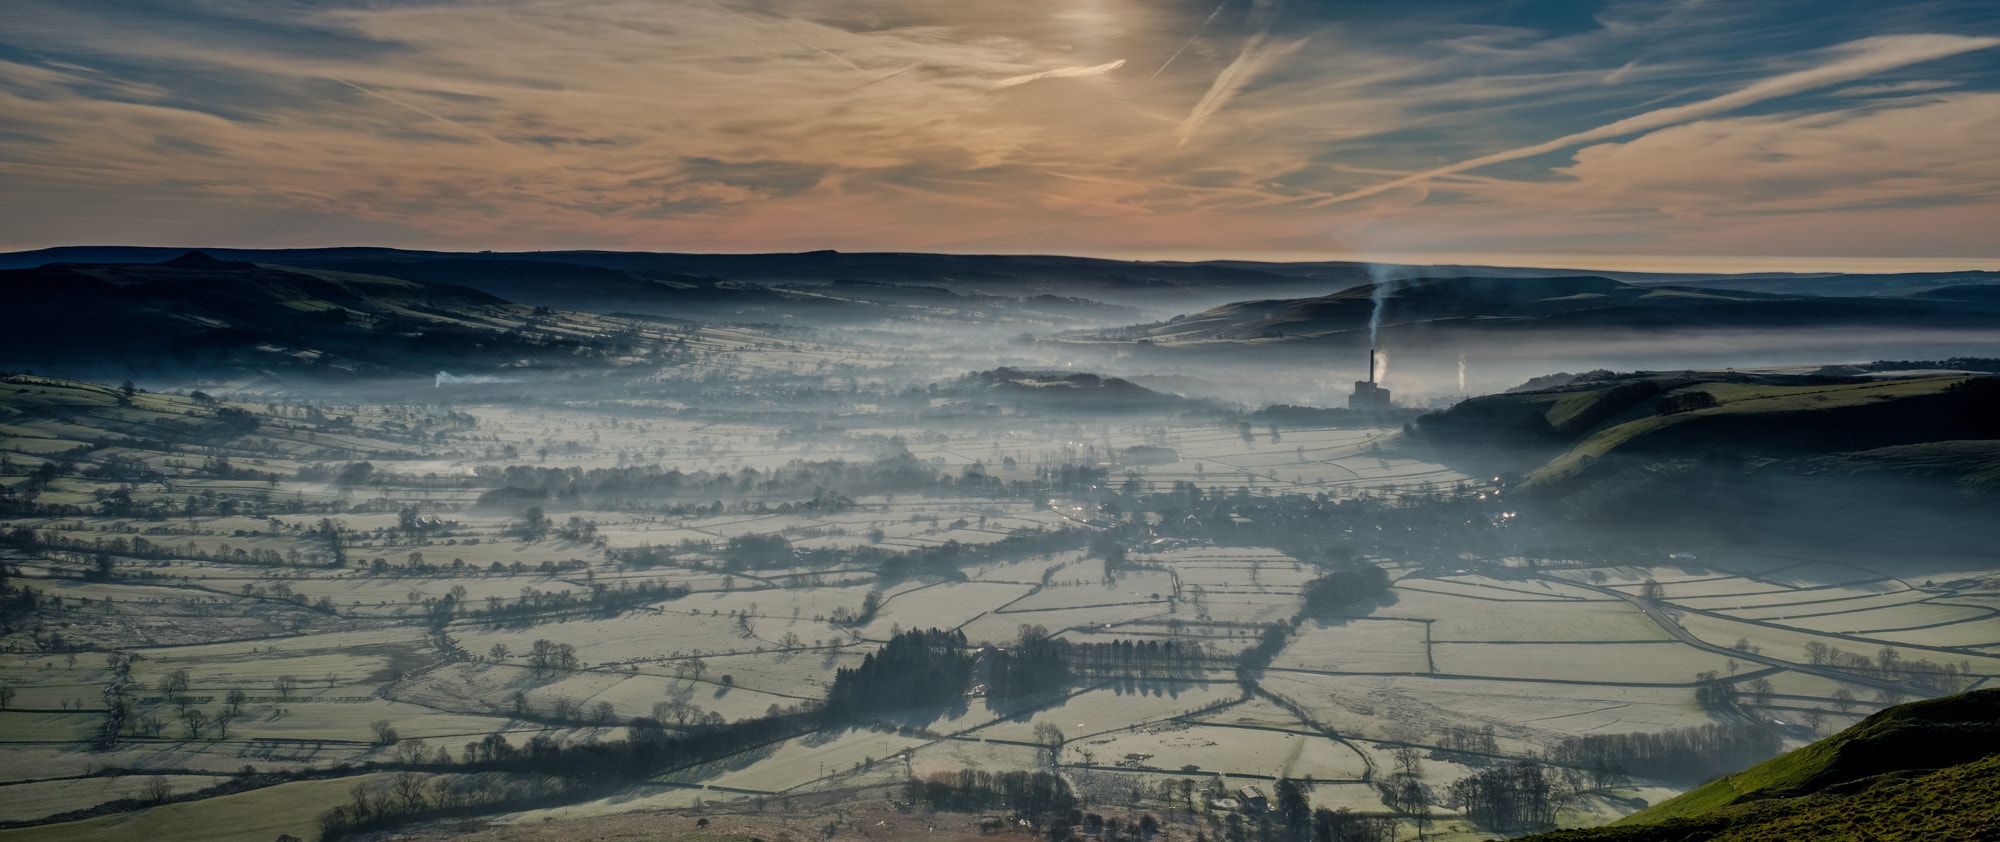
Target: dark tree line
1468, 738
1034, 794
1342, 588
605, 487
1036, 666
561, 772
915, 669
1259, 655
1518, 796
602, 600
1041, 664
141, 547
1297, 821
15, 603
1682, 754
1889, 664
1345, 825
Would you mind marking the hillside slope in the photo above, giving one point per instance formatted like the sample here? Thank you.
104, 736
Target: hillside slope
199, 313
1738, 454
1574, 303
1925, 770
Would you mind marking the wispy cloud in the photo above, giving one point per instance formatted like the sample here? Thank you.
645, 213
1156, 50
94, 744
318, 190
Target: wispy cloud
1255, 58
788, 124
1863, 58
1060, 73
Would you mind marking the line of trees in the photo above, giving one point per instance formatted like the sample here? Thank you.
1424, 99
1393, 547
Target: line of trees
602, 600
1518, 796
1682, 754
1341, 588
1032, 794
1038, 663
1298, 821
915, 669
560, 772
141, 547
606, 487
1890, 665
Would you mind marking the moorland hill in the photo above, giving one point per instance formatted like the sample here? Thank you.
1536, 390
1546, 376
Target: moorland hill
1922, 770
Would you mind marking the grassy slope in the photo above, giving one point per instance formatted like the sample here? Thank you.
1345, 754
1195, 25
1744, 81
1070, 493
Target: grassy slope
1733, 399
1962, 802
1872, 781
259, 815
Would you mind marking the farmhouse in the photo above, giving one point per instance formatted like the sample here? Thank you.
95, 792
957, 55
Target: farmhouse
1253, 798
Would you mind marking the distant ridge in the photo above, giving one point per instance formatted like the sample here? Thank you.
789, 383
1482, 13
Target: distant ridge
1004, 273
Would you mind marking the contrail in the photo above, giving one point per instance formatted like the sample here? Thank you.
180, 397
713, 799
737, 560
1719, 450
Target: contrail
1059, 73
1190, 41
821, 50
538, 159
892, 74
1872, 55
1254, 59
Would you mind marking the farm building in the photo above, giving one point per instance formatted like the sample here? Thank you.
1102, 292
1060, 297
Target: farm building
1253, 798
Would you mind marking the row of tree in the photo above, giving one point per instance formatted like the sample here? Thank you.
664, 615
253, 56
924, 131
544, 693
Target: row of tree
1032, 794
1681, 754
1039, 664
914, 669
1890, 664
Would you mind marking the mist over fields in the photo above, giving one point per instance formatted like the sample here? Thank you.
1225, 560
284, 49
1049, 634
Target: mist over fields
331, 542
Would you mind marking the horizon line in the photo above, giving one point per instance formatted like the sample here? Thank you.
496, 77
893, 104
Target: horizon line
1647, 263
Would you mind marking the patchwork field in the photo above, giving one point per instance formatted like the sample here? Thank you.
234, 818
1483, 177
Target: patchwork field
572, 576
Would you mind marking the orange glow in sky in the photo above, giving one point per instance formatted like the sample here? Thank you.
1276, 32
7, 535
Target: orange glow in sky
1750, 134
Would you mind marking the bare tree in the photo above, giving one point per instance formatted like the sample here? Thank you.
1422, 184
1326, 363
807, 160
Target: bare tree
1052, 738
1409, 761
1814, 719
1843, 699
174, 685
285, 685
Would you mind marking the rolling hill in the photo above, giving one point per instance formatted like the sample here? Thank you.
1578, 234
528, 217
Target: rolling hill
196, 312
1927, 770
1429, 306
772, 286
1739, 453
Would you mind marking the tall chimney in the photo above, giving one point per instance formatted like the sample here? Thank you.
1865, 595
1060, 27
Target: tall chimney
1371, 365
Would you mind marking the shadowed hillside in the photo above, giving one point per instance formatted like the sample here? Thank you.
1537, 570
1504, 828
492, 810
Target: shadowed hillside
1738, 453
1487, 304
197, 313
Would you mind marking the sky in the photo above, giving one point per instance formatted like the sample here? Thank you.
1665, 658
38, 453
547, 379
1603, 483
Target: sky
1724, 133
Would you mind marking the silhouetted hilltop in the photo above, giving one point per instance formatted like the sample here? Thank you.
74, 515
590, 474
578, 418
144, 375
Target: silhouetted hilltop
1067, 391
197, 311
1738, 452
1513, 304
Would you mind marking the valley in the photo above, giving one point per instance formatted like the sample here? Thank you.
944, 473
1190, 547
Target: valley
673, 551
